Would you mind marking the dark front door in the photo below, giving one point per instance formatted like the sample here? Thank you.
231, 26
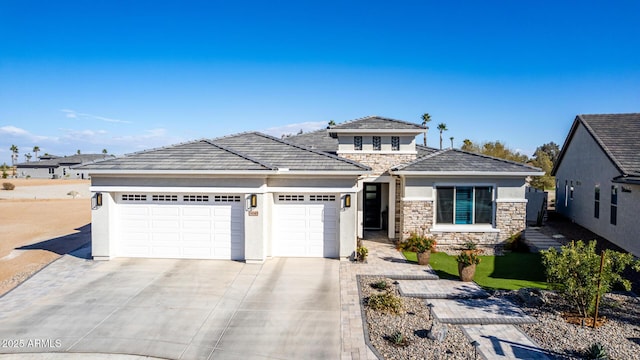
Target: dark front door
372, 204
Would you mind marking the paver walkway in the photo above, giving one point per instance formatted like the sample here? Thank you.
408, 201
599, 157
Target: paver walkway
538, 241
495, 341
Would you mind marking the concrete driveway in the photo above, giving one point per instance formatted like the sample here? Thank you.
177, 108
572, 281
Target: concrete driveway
287, 308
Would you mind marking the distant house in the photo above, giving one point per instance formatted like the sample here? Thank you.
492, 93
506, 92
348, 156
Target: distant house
598, 177
58, 167
251, 196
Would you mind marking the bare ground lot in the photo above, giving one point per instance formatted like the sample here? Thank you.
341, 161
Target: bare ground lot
29, 226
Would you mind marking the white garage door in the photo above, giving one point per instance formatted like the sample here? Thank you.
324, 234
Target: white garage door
190, 226
306, 225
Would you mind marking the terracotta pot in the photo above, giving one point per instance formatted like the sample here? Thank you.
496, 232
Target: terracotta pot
423, 258
467, 272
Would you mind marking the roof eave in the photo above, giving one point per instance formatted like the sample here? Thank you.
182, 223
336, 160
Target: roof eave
468, 173
377, 131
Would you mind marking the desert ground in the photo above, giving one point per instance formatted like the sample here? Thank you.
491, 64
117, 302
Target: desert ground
31, 215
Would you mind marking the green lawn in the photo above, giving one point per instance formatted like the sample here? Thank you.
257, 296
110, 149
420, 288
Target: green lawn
511, 271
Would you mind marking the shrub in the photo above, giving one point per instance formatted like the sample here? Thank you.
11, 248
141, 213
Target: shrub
361, 253
574, 270
8, 186
597, 351
467, 258
398, 339
386, 302
380, 285
417, 243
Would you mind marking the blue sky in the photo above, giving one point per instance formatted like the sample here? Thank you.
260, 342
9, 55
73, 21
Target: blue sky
132, 75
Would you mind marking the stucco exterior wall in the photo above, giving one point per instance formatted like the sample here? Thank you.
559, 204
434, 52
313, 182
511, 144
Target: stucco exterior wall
585, 165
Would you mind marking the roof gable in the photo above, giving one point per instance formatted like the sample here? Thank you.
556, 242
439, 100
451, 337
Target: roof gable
454, 161
617, 135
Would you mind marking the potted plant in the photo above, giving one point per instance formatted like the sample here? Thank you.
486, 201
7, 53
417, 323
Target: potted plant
361, 253
467, 261
419, 244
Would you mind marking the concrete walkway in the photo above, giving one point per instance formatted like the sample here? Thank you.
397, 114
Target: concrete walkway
453, 302
538, 241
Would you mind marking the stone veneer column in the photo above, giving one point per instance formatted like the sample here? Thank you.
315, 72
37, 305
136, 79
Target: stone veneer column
416, 216
398, 215
511, 217
380, 163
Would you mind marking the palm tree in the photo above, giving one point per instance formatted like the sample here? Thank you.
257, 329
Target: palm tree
27, 156
14, 154
78, 152
451, 138
36, 150
425, 120
442, 127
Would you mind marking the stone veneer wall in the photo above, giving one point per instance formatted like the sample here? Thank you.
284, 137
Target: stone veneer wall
399, 213
380, 163
510, 219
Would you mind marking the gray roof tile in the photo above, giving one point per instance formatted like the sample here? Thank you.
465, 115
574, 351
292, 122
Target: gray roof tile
454, 160
378, 122
195, 155
56, 161
619, 137
318, 140
283, 154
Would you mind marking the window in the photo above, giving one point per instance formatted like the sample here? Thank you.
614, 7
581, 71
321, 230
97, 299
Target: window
357, 143
464, 205
322, 198
226, 198
64, 171
195, 198
614, 205
596, 202
132, 197
52, 170
571, 191
377, 143
164, 198
395, 143
290, 197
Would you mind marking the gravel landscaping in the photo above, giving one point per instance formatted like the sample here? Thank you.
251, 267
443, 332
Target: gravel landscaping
620, 334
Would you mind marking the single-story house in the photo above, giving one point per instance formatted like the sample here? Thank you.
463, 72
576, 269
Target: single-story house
58, 167
251, 196
598, 177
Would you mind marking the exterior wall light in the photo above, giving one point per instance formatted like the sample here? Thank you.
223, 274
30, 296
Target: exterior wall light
96, 202
347, 201
253, 200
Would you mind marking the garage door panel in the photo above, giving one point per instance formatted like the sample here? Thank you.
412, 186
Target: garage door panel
181, 229
305, 226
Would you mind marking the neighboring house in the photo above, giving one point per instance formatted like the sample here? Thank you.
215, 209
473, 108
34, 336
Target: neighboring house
598, 177
59, 167
251, 196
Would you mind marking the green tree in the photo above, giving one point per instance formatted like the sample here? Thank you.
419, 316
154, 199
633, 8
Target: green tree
542, 160
551, 149
451, 138
426, 118
14, 154
27, 156
442, 127
36, 150
104, 151
78, 152
573, 271
494, 149
332, 123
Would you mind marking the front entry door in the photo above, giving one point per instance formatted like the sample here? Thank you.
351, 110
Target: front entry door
372, 205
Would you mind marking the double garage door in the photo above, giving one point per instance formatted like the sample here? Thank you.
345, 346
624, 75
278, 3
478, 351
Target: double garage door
306, 225
211, 226
191, 226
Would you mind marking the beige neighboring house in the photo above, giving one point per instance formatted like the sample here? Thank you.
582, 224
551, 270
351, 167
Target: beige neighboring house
58, 167
251, 196
598, 177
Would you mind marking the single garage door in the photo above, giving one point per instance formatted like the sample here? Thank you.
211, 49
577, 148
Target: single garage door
189, 226
306, 225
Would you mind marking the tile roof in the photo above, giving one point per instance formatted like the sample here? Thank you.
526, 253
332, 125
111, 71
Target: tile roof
55, 161
425, 150
619, 136
318, 140
283, 154
378, 122
454, 160
195, 155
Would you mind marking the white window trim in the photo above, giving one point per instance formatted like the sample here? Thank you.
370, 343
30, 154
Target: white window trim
464, 228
